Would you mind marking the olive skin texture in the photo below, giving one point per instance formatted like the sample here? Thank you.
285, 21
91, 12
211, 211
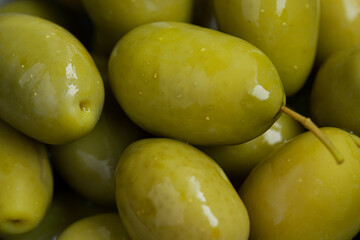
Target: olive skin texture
26, 182
99, 227
286, 31
88, 164
166, 189
195, 84
66, 208
335, 95
238, 160
339, 27
300, 192
113, 18
50, 88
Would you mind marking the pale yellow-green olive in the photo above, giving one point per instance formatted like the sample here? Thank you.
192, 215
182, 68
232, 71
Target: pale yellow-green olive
43, 9
88, 164
113, 18
97, 227
166, 189
339, 27
66, 208
300, 192
50, 88
26, 182
335, 95
195, 84
238, 160
286, 31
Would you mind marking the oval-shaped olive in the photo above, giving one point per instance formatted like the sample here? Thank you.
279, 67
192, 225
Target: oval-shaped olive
195, 84
238, 160
50, 88
98, 227
286, 31
300, 192
335, 95
166, 189
339, 27
26, 182
113, 18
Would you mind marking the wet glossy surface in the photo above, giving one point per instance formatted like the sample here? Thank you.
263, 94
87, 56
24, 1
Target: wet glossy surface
195, 84
238, 160
335, 96
50, 89
114, 18
285, 30
339, 27
166, 189
88, 164
26, 181
300, 192
97, 227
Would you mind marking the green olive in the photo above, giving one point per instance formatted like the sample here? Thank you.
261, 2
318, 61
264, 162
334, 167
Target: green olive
66, 208
37, 8
286, 31
339, 27
300, 192
335, 95
98, 227
50, 88
113, 18
26, 182
166, 189
238, 160
88, 164
195, 84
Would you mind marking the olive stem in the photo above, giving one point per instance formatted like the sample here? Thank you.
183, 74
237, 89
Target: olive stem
356, 140
311, 126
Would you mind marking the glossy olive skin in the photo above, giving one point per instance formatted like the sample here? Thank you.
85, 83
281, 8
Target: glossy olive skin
300, 192
88, 164
26, 182
166, 189
66, 208
97, 227
335, 95
113, 18
339, 27
286, 31
50, 88
195, 84
238, 160
37, 8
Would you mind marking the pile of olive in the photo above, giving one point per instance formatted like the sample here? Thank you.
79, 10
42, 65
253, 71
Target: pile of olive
168, 118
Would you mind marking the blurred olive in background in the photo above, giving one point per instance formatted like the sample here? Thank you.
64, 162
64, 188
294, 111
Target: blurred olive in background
88, 164
66, 208
98, 227
113, 18
238, 160
26, 182
44, 9
339, 27
335, 97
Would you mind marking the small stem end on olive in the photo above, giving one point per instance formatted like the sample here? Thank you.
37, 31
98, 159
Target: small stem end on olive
311, 126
